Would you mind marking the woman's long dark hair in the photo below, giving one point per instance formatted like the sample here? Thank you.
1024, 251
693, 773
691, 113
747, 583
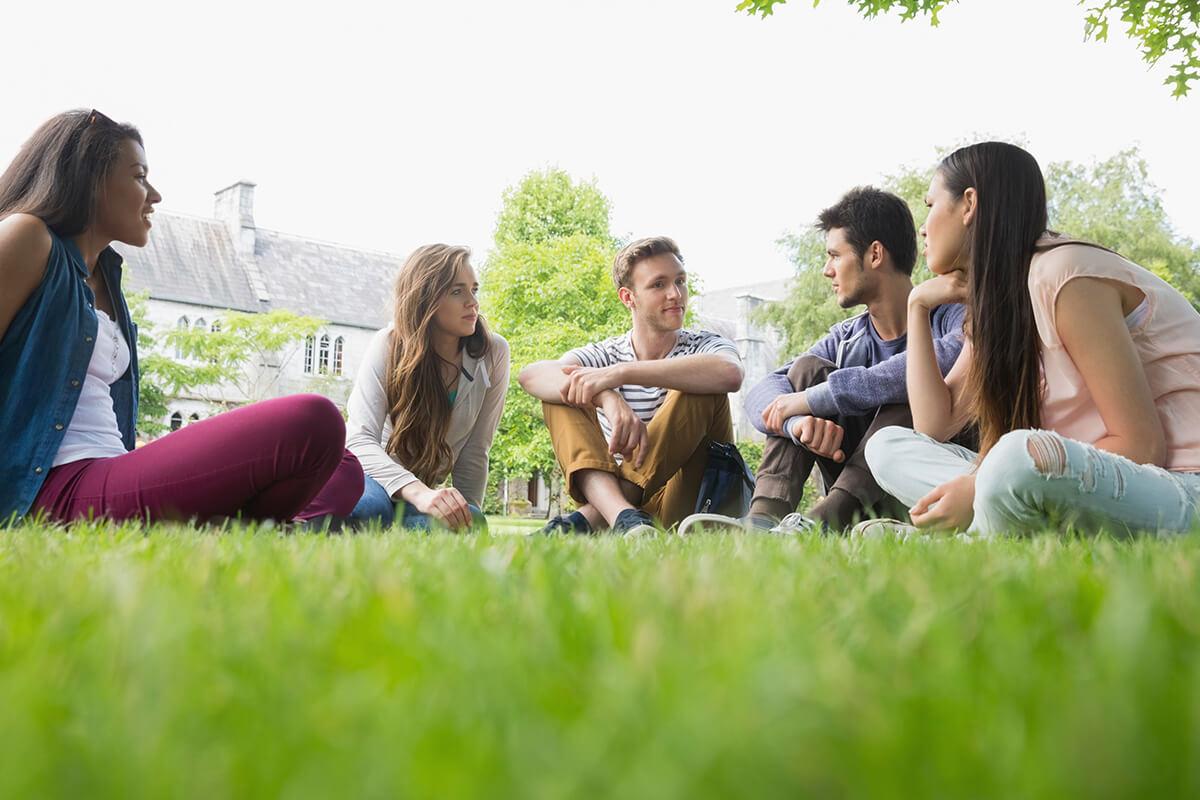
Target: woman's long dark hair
416, 395
58, 173
1010, 216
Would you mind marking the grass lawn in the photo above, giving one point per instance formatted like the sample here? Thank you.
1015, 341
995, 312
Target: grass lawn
172, 662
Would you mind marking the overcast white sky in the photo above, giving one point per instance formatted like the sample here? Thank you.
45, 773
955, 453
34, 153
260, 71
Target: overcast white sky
391, 127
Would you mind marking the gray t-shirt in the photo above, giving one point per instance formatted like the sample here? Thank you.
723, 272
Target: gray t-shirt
646, 400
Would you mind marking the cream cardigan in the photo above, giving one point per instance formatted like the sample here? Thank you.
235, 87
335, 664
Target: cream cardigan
473, 421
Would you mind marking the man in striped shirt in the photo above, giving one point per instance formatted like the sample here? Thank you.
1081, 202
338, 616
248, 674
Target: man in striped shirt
631, 416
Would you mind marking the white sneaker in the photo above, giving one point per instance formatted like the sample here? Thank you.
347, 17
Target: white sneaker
795, 523
883, 528
714, 522
709, 522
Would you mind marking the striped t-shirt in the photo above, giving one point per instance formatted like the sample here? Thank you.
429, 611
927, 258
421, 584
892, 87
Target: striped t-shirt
646, 400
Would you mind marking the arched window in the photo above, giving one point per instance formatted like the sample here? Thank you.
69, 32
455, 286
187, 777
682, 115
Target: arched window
176, 421
337, 355
201, 324
323, 355
216, 326
310, 345
193, 418
182, 324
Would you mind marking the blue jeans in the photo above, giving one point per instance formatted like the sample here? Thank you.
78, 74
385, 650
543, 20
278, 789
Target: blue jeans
377, 507
1031, 479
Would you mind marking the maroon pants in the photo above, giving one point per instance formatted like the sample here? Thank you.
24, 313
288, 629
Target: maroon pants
280, 459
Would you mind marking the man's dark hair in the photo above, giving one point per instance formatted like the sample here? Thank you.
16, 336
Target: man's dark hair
867, 215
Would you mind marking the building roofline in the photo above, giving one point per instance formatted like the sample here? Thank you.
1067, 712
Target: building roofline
185, 302
327, 243
292, 236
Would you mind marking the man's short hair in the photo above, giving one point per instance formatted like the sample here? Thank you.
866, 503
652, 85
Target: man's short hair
867, 215
637, 251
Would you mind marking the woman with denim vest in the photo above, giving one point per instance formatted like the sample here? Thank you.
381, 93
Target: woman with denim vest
69, 368
1081, 368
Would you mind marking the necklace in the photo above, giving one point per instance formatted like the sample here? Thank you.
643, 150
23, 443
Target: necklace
457, 368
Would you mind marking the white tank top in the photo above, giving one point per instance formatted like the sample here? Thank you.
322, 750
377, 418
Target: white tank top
93, 432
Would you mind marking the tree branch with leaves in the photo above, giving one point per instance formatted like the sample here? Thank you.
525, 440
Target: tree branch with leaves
1167, 29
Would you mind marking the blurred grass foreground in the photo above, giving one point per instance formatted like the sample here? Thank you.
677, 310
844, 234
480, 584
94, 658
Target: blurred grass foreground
171, 662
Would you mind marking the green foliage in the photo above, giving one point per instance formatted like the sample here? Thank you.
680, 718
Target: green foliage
547, 287
245, 353
170, 662
752, 453
1161, 28
210, 359
908, 9
547, 205
1114, 203
493, 495
1111, 202
547, 298
152, 398
159, 377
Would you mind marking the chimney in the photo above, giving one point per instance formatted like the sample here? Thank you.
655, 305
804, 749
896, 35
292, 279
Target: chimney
234, 206
747, 328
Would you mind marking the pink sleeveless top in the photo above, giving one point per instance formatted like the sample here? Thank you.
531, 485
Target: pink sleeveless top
1166, 334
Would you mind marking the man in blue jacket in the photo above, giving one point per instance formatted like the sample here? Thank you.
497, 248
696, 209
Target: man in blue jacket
820, 409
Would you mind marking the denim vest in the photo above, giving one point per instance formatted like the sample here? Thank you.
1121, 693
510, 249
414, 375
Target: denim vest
44, 357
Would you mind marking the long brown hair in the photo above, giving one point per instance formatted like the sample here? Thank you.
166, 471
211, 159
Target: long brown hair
58, 173
1005, 375
416, 395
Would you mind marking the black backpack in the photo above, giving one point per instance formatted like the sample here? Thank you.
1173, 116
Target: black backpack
727, 485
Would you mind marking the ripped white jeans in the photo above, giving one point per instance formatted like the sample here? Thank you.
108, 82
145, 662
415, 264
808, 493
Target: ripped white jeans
1033, 479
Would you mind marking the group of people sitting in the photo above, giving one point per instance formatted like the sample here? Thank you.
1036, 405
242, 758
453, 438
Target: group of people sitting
1035, 380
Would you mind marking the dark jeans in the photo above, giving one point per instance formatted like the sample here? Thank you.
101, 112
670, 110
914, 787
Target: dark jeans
851, 492
376, 506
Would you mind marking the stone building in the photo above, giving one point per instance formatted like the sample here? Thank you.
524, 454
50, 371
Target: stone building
195, 268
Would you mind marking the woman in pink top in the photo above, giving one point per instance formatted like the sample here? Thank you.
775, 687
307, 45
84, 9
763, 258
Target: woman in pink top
1081, 369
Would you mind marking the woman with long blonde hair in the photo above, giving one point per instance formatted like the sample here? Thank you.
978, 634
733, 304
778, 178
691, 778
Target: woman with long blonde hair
428, 398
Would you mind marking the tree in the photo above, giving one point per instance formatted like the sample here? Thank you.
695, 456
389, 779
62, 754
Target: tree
1160, 27
152, 392
232, 356
246, 352
547, 285
1114, 203
548, 205
1110, 202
